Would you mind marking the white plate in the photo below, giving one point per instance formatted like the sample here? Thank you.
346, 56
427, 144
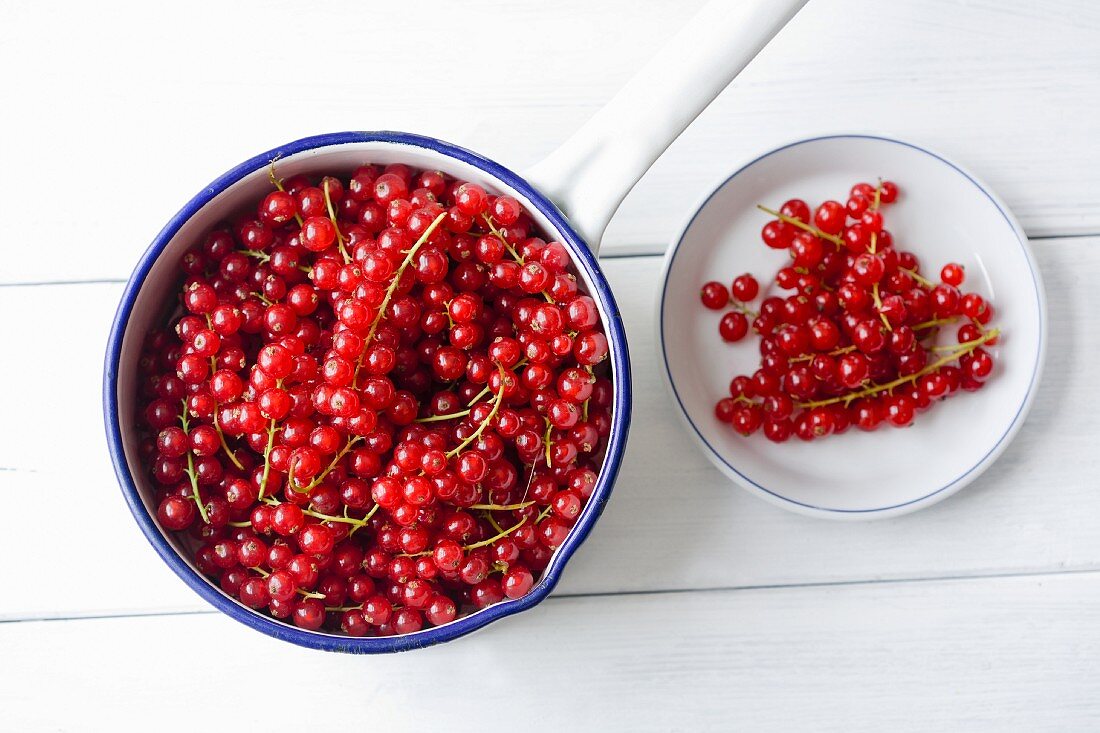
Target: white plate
944, 214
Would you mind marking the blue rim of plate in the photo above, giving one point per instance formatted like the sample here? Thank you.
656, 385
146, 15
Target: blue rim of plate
620, 419
1013, 425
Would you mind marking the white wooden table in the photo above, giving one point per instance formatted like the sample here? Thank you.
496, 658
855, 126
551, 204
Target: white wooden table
693, 605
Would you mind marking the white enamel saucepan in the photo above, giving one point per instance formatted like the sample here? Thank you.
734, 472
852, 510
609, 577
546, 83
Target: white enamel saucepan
944, 214
571, 196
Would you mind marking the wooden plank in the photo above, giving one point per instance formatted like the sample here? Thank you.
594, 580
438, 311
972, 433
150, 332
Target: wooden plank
674, 522
159, 104
976, 655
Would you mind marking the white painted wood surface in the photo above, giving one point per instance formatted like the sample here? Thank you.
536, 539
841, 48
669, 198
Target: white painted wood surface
779, 622
150, 103
1006, 654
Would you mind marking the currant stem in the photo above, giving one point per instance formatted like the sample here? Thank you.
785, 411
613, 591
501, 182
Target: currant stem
191, 470
477, 398
546, 439
741, 307
217, 426
397, 279
321, 476
304, 593
366, 518
918, 277
878, 307
330, 517
261, 256
874, 250
502, 507
961, 350
485, 391
835, 352
496, 233
450, 416
481, 428
975, 342
267, 455
332, 218
498, 536
278, 183
492, 520
511, 250
801, 225
225, 445
935, 322
584, 406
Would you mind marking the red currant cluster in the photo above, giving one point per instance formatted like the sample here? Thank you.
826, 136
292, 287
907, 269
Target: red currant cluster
383, 403
854, 342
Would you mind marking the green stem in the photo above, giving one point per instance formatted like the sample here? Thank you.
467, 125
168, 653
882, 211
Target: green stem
918, 277
961, 350
511, 250
801, 225
225, 445
267, 457
501, 507
331, 517
277, 183
332, 218
739, 306
478, 396
440, 418
321, 476
584, 406
484, 423
304, 593
955, 347
191, 470
835, 352
874, 250
486, 390
496, 233
492, 520
261, 256
217, 425
498, 536
195, 488
935, 322
878, 306
393, 287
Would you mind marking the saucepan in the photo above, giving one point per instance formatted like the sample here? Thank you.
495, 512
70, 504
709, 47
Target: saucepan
571, 195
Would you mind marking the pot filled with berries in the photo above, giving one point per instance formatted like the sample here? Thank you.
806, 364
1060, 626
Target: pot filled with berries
369, 391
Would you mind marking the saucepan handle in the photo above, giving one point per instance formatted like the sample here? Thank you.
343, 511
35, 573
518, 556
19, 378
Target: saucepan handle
591, 173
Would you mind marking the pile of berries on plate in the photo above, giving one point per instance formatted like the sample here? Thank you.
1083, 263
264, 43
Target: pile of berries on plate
854, 342
381, 405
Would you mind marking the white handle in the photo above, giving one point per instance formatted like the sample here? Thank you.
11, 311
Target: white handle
592, 172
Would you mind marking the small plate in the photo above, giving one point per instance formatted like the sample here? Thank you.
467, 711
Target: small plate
944, 214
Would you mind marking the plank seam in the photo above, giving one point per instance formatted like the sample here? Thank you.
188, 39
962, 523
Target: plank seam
660, 592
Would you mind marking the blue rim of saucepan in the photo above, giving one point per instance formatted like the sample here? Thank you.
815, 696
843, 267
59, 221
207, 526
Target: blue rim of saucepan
369, 645
1040, 352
